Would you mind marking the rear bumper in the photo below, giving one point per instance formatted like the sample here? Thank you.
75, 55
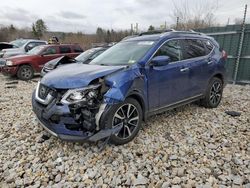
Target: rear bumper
9, 70
60, 129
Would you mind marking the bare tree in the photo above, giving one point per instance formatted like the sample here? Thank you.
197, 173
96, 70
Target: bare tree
198, 14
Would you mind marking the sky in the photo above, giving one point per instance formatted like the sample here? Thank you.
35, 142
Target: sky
87, 15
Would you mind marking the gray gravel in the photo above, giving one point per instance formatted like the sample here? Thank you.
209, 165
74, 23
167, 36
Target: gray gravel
187, 147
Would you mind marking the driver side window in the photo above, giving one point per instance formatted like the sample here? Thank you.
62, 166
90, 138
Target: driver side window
171, 49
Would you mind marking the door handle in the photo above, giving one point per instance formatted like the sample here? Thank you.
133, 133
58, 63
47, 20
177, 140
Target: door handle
184, 69
209, 62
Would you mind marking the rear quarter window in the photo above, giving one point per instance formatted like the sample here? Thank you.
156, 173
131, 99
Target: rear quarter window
64, 49
209, 46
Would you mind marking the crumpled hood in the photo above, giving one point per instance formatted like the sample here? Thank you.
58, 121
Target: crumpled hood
58, 61
76, 75
54, 62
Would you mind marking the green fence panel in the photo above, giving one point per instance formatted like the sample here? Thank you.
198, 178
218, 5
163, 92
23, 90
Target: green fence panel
230, 43
244, 71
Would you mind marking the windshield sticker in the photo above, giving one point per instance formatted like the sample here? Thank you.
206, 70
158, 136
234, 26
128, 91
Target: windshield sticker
146, 43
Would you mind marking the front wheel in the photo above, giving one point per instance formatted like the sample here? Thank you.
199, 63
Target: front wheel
213, 94
127, 114
25, 72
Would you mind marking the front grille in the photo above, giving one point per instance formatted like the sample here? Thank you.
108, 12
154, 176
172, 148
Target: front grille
43, 91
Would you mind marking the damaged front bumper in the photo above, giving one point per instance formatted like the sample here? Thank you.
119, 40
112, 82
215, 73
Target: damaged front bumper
60, 129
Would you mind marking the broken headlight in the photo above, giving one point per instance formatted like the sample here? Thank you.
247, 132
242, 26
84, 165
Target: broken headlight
81, 94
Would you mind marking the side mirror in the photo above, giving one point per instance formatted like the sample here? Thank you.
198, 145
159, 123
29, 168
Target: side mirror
160, 61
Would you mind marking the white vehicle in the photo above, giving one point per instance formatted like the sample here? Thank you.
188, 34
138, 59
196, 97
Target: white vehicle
22, 46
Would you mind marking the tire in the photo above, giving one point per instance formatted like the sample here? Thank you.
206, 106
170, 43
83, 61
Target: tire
130, 128
25, 72
213, 94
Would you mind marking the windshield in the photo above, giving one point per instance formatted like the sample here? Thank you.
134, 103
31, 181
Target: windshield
36, 50
123, 53
85, 55
18, 43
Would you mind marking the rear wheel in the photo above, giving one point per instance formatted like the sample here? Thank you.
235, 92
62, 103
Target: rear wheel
213, 94
25, 72
127, 114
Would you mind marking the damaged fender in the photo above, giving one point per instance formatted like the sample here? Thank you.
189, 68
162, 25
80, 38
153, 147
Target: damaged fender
122, 84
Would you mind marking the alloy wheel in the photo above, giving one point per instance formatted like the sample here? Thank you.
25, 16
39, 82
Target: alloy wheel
215, 93
127, 116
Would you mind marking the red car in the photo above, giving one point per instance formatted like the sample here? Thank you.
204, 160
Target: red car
24, 66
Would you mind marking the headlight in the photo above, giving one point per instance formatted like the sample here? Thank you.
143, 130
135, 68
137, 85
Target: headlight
9, 63
80, 95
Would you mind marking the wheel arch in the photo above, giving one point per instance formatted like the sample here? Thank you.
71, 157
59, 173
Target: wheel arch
138, 97
220, 76
26, 63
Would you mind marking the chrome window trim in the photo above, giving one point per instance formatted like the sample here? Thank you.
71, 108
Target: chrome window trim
186, 38
43, 101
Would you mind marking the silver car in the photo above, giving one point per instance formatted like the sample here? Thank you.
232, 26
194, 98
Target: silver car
21, 47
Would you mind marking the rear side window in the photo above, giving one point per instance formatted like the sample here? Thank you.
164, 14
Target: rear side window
64, 49
77, 49
172, 49
193, 48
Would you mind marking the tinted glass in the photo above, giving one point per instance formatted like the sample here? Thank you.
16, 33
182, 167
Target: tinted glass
208, 45
64, 49
193, 48
49, 50
171, 49
77, 49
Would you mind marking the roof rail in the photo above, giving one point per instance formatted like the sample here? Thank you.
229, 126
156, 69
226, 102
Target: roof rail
164, 32
155, 32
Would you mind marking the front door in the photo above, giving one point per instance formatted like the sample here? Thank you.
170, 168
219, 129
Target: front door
168, 84
47, 55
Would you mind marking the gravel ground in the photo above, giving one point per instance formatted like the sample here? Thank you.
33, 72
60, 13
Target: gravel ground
187, 147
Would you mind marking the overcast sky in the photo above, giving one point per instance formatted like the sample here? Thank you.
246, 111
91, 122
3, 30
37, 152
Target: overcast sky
87, 15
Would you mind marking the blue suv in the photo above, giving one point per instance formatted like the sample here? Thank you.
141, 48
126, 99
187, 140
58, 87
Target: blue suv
138, 77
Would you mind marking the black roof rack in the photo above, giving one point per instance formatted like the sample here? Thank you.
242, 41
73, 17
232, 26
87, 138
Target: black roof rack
155, 32
169, 30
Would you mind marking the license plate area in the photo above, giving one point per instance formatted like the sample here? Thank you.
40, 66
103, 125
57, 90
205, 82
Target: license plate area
38, 111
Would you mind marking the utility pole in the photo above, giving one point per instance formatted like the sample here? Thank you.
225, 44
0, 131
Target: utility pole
137, 28
240, 46
132, 29
177, 22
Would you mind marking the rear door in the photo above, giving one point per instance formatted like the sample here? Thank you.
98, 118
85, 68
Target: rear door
194, 52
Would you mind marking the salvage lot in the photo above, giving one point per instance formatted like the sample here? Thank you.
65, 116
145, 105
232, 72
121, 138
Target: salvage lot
188, 146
